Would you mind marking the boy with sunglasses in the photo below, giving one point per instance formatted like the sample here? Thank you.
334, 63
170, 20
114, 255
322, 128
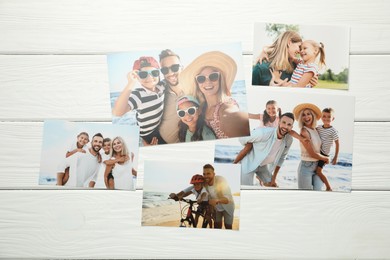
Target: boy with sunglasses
192, 125
147, 99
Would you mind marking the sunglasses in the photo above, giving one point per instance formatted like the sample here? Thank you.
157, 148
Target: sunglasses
212, 77
191, 111
144, 74
174, 68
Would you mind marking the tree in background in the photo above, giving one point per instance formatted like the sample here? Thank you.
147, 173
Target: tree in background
341, 77
275, 29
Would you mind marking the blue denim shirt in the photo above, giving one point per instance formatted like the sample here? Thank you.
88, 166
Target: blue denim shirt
263, 139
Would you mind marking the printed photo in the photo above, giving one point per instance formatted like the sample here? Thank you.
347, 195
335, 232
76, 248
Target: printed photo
299, 140
191, 194
300, 56
89, 155
180, 95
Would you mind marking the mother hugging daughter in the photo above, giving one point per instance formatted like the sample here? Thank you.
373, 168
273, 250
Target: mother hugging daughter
282, 67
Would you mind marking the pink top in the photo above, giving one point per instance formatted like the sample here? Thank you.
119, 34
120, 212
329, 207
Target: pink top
215, 123
275, 123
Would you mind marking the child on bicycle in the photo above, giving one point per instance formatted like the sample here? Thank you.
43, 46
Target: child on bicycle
201, 195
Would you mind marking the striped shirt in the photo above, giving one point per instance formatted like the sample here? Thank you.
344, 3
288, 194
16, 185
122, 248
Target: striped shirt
302, 69
328, 136
149, 106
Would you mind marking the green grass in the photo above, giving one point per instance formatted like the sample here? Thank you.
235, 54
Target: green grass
331, 85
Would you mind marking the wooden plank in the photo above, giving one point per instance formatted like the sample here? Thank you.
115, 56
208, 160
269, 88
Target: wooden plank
104, 224
62, 87
21, 155
75, 27
75, 87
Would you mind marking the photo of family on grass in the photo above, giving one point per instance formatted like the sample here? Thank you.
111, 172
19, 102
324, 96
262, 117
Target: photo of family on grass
191, 194
300, 56
299, 140
180, 95
87, 155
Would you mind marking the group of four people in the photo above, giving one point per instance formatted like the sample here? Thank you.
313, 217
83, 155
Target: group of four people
190, 104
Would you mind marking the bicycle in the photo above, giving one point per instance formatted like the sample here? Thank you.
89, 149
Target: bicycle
188, 212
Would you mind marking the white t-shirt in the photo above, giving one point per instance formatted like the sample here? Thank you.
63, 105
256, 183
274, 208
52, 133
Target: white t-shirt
74, 146
100, 178
213, 195
197, 194
272, 154
123, 177
83, 168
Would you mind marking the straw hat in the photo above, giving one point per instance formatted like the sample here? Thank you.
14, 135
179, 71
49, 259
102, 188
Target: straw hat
297, 110
217, 59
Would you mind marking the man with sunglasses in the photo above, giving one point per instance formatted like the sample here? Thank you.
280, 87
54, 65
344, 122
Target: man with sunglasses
265, 151
170, 67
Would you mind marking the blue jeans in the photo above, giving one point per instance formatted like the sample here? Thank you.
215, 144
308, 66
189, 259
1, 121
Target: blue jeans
307, 177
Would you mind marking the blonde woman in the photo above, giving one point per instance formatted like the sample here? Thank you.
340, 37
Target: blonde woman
119, 169
209, 79
308, 115
279, 56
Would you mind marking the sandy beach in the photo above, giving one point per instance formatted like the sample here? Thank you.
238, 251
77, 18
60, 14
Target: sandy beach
169, 216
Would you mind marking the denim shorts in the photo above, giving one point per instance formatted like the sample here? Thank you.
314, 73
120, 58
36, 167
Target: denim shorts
307, 177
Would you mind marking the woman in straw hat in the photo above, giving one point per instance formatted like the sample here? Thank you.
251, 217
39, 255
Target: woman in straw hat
209, 78
308, 115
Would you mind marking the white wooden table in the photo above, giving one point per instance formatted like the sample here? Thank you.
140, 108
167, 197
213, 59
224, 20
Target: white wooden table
53, 66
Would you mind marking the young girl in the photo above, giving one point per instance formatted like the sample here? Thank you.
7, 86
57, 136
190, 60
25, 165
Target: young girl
271, 115
191, 124
79, 146
306, 68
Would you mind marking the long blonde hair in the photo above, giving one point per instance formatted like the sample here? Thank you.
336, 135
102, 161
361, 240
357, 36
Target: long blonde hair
125, 150
223, 91
321, 51
278, 51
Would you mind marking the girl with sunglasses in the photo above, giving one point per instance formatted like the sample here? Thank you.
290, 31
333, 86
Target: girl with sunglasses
209, 78
147, 99
191, 124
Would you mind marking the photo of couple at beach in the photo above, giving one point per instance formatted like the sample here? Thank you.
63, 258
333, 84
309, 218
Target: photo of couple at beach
180, 95
300, 56
300, 139
191, 194
87, 155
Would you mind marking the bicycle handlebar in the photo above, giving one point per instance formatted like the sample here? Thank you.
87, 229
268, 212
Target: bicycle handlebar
183, 199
